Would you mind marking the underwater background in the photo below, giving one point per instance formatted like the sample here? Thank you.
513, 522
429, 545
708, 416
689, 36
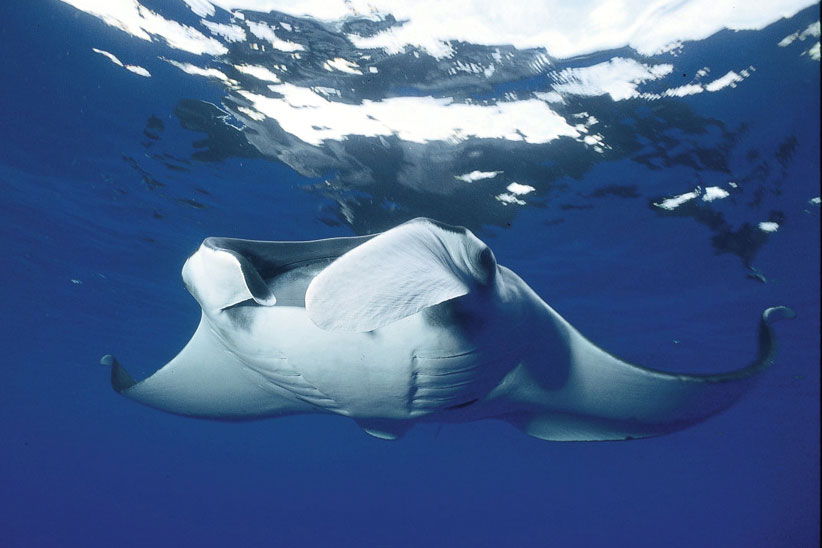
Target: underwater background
650, 169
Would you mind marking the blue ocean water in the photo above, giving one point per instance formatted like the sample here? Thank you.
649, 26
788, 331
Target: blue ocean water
110, 179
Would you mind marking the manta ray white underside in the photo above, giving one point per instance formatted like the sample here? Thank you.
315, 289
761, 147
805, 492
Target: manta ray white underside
418, 323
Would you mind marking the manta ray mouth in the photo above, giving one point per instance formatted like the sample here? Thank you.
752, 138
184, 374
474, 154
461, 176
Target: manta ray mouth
290, 283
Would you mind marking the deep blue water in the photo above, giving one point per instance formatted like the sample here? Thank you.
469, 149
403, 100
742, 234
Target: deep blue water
100, 206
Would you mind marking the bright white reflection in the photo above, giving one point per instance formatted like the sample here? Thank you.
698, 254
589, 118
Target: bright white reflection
230, 33
672, 203
133, 68
648, 27
618, 78
729, 79
314, 119
432, 25
137, 20
514, 191
714, 193
477, 175
260, 73
342, 65
520, 190
520, 42
265, 32
199, 71
507, 199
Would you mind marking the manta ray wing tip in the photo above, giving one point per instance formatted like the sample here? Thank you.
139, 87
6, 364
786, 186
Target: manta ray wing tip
776, 313
120, 378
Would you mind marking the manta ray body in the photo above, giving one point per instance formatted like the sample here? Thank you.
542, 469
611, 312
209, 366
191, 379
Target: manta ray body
418, 323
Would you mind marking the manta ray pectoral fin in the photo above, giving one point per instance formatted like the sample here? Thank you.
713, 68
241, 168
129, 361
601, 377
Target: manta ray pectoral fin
605, 398
205, 380
398, 273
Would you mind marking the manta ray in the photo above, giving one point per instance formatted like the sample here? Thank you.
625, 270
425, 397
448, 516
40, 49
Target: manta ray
416, 324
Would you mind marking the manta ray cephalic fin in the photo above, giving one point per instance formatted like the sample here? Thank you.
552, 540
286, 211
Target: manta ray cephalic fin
220, 277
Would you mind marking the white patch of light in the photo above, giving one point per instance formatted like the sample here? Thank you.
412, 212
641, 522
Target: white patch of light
649, 27
135, 19
730, 79
509, 199
251, 113
264, 32
477, 175
198, 71
327, 92
322, 10
549, 96
342, 65
672, 203
519, 189
594, 140
813, 52
768, 226
136, 69
258, 72
682, 91
314, 119
815, 201
397, 38
431, 25
618, 78
113, 58
231, 33
203, 8
474, 68
714, 193
674, 48
812, 31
